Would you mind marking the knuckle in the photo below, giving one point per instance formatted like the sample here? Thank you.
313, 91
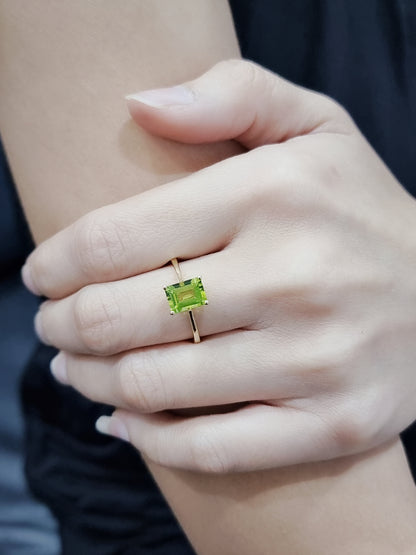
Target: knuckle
244, 72
207, 455
97, 318
330, 361
321, 163
99, 246
141, 385
298, 177
248, 76
348, 433
330, 353
300, 166
350, 428
339, 113
266, 193
249, 73
317, 377
337, 118
287, 181
321, 267
340, 344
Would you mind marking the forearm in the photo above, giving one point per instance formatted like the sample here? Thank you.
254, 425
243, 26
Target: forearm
66, 67
362, 505
72, 149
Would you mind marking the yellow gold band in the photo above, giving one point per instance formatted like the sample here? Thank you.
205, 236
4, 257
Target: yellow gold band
194, 327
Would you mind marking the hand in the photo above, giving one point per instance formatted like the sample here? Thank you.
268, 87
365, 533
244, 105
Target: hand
306, 247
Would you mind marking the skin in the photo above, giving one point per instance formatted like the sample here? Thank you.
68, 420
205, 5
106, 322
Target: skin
73, 99
257, 512
311, 349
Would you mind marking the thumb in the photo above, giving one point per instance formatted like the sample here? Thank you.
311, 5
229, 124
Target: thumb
238, 100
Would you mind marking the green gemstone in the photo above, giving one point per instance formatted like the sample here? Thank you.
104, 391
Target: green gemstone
186, 295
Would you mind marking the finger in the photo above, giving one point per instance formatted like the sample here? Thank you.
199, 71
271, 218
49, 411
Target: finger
239, 100
109, 318
184, 219
254, 437
229, 368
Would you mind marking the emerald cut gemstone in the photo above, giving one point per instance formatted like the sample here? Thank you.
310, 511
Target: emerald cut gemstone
186, 295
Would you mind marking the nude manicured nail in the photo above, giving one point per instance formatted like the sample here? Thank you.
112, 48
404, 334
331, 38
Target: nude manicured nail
28, 281
112, 426
58, 368
39, 328
158, 98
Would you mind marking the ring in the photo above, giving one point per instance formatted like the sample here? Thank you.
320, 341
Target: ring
186, 295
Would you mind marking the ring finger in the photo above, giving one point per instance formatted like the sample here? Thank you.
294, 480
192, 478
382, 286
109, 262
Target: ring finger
108, 318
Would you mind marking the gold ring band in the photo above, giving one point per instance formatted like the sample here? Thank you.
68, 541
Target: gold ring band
185, 296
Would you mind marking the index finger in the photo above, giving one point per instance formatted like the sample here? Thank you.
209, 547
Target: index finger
185, 219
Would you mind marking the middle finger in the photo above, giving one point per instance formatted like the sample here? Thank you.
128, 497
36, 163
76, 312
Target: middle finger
229, 368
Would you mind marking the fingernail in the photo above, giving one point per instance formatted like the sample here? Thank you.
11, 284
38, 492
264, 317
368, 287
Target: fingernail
39, 328
112, 426
58, 368
28, 281
158, 98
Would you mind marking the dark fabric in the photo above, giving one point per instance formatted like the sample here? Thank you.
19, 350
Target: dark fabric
97, 487
26, 527
15, 242
363, 54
